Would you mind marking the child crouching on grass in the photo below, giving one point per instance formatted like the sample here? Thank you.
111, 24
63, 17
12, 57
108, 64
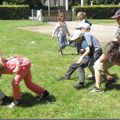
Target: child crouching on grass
61, 30
20, 67
106, 61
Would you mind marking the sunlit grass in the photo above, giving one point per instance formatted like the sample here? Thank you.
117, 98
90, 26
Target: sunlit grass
47, 66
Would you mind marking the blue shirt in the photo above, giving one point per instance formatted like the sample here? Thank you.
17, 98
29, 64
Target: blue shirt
84, 44
92, 41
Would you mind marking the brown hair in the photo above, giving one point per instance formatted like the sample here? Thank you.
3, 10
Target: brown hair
112, 51
61, 14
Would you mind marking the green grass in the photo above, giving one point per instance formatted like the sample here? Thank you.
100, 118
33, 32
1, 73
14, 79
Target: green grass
47, 66
104, 21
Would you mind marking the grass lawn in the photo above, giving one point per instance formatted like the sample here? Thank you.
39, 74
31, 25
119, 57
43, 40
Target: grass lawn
104, 21
47, 66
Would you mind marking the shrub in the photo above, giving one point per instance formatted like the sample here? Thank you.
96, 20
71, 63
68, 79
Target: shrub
96, 12
14, 12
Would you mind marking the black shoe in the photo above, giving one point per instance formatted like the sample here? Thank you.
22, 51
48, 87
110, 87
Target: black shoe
79, 85
15, 103
6, 100
43, 96
109, 83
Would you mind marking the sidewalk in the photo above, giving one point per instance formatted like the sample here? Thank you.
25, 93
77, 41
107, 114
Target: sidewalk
103, 33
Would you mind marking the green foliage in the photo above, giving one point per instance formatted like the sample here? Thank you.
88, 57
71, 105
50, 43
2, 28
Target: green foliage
17, 2
34, 4
106, 2
14, 12
97, 12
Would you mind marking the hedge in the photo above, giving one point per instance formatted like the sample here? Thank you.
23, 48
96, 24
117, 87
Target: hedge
14, 12
96, 12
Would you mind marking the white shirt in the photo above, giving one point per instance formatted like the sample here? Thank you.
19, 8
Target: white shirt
61, 29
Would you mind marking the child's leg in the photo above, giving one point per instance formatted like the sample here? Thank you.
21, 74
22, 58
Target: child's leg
16, 81
71, 69
65, 41
60, 45
97, 78
81, 71
32, 86
16, 87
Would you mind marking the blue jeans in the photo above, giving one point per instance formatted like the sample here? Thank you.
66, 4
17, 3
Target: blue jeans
62, 41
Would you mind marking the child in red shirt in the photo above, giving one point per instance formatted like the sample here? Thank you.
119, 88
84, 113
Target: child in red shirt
20, 66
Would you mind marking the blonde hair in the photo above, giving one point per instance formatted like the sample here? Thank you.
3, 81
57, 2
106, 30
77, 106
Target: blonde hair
62, 14
81, 13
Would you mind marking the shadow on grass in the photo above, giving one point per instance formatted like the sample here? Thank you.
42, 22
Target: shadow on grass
114, 85
29, 100
65, 54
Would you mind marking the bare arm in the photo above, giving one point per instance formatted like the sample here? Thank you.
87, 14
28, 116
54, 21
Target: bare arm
87, 51
55, 30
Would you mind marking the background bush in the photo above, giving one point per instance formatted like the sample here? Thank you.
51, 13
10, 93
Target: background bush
14, 12
96, 12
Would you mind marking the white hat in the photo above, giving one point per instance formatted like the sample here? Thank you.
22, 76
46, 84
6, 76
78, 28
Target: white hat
83, 25
76, 34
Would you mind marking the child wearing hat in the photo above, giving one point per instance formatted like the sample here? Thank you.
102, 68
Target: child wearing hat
87, 58
20, 68
61, 30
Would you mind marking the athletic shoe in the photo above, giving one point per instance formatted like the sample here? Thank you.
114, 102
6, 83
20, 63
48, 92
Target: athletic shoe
79, 85
43, 96
15, 103
95, 90
109, 83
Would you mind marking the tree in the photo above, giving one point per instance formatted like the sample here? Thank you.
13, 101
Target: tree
1, 2
34, 4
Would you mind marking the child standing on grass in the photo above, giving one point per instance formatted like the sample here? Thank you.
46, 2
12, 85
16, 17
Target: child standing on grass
81, 16
61, 30
20, 67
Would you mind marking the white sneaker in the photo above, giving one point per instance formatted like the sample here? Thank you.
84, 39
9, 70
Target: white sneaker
15, 103
96, 90
12, 105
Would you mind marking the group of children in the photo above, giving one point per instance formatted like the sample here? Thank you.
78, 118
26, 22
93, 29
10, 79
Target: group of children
91, 53
90, 56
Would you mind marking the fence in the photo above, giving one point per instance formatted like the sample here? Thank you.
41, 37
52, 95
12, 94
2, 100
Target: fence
41, 15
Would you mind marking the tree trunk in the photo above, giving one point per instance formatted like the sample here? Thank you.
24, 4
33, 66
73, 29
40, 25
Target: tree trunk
1, 2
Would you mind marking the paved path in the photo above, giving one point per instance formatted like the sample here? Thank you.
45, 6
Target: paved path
103, 32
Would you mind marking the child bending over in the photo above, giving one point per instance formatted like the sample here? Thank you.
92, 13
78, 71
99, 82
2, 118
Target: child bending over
107, 60
20, 66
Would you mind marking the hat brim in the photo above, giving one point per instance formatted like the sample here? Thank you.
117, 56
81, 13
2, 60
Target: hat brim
115, 16
73, 38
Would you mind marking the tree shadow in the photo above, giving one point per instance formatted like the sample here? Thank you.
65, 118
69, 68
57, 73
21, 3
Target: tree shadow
29, 100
